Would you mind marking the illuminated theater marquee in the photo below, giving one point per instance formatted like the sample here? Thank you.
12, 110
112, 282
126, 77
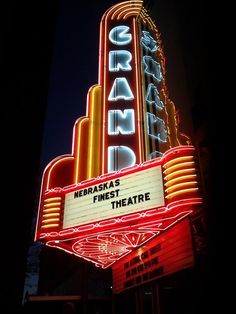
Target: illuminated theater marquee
131, 174
127, 194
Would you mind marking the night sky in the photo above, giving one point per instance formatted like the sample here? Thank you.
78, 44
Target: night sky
74, 70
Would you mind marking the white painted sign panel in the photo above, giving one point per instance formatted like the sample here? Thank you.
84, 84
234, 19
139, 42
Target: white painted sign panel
123, 195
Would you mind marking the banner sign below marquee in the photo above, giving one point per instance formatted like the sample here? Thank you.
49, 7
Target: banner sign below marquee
166, 254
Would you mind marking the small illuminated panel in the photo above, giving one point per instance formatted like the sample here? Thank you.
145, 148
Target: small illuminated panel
123, 195
163, 255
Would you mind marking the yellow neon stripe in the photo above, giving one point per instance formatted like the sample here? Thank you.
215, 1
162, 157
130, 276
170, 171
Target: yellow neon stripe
184, 191
49, 210
137, 5
179, 172
52, 199
51, 215
179, 179
52, 205
104, 104
130, 13
147, 19
112, 11
94, 133
81, 150
179, 166
180, 185
45, 221
176, 160
127, 13
50, 225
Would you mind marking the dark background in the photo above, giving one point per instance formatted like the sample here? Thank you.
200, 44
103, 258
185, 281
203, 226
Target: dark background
27, 39
39, 83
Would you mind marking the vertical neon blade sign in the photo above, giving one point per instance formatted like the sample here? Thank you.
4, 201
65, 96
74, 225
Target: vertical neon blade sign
158, 136
155, 116
119, 75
